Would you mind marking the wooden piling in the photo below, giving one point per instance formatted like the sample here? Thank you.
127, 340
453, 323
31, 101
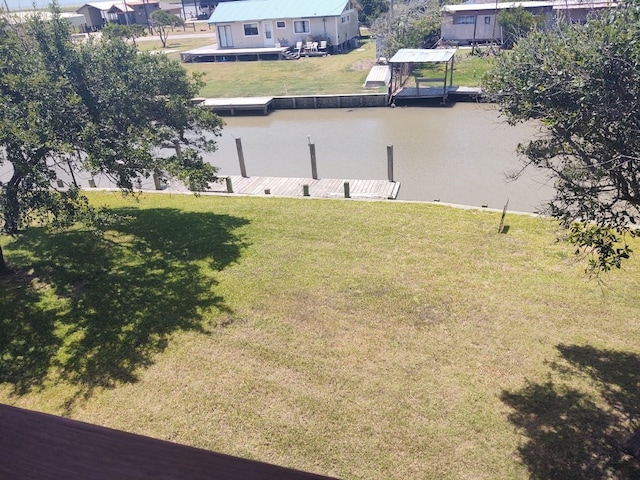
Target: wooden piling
243, 169
347, 193
314, 166
390, 162
156, 181
229, 185
305, 190
504, 213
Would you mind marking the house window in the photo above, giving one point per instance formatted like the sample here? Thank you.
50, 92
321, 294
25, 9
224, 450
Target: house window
487, 20
281, 24
301, 26
464, 20
346, 19
250, 29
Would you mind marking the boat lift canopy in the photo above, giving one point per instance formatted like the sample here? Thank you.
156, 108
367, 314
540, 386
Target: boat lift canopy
407, 56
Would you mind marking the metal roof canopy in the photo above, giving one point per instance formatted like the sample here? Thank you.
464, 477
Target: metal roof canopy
421, 55
405, 56
252, 10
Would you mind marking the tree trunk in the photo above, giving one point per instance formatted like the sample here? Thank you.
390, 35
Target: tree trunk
12, 205
4, 269
632, 446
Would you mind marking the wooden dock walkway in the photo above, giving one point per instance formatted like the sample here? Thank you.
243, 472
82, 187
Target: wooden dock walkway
233, 105
295, 187
415, 93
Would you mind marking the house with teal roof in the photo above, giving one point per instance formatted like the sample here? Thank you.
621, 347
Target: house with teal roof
247, 24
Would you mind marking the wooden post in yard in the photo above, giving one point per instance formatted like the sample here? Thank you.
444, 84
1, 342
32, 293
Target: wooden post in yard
305, 190
390, 162
229, 185
347, 192
314, 166
243, 169
156, 181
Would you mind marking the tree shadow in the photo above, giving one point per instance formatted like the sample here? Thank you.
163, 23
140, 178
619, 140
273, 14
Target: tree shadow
123, 295
577, 423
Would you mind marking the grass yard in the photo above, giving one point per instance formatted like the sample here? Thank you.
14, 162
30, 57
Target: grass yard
355, 339
334, 74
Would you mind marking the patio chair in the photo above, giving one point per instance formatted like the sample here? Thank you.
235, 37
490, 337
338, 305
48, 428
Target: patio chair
323, 45
308, 46
298, 47
314, 47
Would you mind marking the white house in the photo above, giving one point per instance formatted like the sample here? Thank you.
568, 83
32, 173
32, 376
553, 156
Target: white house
266, 23
468, 23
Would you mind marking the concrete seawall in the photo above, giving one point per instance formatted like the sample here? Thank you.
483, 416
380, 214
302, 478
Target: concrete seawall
331, 101
263, 105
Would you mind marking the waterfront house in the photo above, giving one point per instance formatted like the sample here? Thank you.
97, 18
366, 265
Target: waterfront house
248, 24
469, 23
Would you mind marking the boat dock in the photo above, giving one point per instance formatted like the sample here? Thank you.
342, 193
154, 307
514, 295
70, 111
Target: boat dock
211, 53
418, 93
307, 187
234, 105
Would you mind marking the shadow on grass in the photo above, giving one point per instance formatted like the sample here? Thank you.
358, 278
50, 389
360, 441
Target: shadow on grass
572, 434
117, 301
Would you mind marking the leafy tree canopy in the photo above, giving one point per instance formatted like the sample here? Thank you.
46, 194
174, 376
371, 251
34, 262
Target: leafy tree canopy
164, 23
516, 23
127, 32
411, 24
101, 107
581, 83
372, 9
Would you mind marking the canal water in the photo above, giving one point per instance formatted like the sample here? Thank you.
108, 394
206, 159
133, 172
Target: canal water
458, 154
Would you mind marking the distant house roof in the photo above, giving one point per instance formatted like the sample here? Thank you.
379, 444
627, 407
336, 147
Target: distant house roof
21, 16
119, 6
108, 6
228, 12
556, 5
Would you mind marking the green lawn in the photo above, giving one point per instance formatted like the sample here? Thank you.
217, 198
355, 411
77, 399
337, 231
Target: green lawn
335, 74
356, 339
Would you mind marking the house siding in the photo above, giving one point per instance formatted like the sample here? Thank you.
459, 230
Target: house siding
93, 16
348, 31
464, 32
329, 28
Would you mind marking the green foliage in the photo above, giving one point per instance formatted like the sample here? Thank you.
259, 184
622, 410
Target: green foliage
97, 106
411, 24
164, 22
372, 9
610, 244
582, 84
127, 32
516, 23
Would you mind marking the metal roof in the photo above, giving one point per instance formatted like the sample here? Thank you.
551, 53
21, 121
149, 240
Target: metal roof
227, 12
419, 55
106, 6
557, 4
